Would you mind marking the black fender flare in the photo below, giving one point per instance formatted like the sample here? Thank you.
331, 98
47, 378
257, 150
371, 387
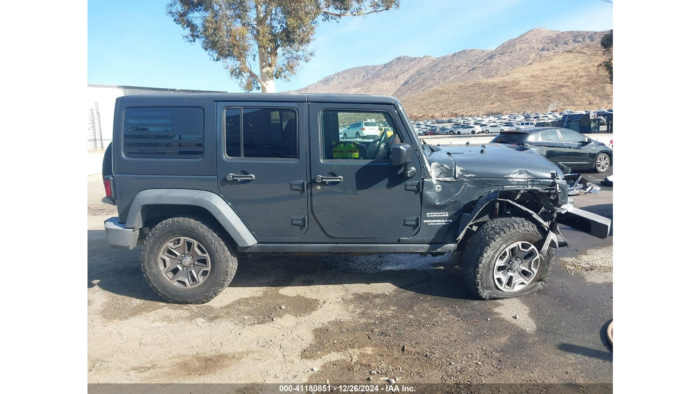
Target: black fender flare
482, 212
213, 203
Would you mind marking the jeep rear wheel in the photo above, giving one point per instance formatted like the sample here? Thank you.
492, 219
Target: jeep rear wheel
502, 259
186, 260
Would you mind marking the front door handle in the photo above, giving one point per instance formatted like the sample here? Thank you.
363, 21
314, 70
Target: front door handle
298, 185
321, 178
239, 178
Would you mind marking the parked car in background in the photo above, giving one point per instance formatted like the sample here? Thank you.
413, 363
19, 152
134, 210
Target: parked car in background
362, 130
524, 125
493, 128
561, 146
474, 129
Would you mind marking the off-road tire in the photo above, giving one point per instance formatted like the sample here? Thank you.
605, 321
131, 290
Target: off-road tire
223, 259
484, 247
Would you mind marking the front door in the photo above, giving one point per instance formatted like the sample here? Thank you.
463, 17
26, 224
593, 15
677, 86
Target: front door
262, 165
577, 153
356, 193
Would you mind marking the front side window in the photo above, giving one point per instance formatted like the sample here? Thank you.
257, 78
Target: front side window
261, 133
571, 136
164, 132
351, 135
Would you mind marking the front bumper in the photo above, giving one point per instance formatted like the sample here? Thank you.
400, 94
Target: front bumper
590, 223
120, 237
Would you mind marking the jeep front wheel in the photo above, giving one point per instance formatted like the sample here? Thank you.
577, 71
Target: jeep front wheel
502, 259
186, 260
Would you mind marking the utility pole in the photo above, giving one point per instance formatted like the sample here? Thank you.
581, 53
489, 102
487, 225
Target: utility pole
98, 127
92, 137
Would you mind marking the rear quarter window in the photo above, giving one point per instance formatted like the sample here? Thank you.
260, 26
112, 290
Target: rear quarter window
164, 132
510, 138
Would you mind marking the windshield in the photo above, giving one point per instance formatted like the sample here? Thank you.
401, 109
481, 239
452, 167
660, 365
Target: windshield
370, 124
510, 138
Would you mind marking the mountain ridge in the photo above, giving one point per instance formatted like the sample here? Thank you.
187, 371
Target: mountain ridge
567, 80
405, 76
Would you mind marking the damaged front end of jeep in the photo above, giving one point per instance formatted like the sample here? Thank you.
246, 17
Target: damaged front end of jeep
469, 186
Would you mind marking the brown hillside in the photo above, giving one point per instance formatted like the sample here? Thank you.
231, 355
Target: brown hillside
565, 80
406, 76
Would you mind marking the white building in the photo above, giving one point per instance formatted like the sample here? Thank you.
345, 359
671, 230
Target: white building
100, 108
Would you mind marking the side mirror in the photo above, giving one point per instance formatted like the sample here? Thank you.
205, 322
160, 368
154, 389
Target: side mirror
400, 154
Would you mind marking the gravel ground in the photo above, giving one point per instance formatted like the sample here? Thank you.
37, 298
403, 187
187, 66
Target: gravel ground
291, 319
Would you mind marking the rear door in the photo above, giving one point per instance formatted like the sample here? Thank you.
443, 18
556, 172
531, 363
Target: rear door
356, 193
553, 148
262, 165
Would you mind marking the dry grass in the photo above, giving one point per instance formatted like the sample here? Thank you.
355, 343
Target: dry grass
567, 80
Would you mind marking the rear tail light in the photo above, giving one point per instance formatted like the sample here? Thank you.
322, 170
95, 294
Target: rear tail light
108, 187
363, 129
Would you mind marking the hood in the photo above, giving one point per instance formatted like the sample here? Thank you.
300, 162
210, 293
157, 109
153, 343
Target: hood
492, 161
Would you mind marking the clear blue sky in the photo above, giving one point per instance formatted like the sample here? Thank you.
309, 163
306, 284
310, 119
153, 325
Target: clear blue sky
134, 42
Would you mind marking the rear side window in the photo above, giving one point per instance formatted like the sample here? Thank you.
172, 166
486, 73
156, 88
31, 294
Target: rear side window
266, 133
164, 132
549, 136
510, 138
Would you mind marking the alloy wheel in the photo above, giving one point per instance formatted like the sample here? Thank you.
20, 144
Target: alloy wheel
184, 262
516, 266
602, 162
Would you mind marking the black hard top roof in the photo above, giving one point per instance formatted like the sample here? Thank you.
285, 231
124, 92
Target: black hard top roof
263, 97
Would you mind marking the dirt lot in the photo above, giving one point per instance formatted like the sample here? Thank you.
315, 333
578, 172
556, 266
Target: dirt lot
287, 319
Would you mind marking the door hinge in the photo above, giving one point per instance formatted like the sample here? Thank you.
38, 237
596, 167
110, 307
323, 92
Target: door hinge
413, 186
299, 185
299, 221
411, 221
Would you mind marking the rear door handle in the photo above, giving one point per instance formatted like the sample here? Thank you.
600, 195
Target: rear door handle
239, 178
321, 178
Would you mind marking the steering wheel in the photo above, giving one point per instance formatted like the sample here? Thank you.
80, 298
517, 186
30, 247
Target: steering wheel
382, 152
373, 147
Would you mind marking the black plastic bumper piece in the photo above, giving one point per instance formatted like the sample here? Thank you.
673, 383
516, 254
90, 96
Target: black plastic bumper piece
595, 225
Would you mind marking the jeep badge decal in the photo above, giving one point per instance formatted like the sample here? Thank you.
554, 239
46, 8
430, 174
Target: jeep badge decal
437, 214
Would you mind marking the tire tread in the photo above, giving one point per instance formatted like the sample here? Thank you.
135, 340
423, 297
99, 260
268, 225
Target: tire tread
484, 243
223, 254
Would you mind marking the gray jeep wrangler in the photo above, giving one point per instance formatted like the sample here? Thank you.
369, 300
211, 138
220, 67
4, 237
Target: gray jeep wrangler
200, 178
